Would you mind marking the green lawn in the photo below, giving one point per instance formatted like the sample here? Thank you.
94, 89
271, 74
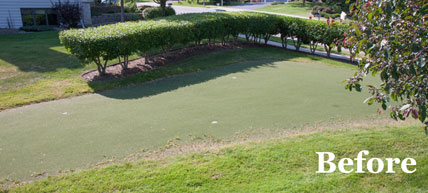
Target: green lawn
191, 4
262, 88
35, 67
287, 164
295, 8
200, 4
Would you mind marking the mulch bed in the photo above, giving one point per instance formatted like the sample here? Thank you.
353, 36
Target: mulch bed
155, 61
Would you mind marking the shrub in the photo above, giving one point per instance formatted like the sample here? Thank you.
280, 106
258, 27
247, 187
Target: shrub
121, 40
154, 12
299, 32
327, 15
68, 13
316, 32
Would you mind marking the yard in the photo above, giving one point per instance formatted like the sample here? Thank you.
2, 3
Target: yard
35, 67
221, 115
294, 8
222, 102
195, 3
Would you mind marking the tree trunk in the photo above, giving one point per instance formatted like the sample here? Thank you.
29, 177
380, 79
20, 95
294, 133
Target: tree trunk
163, 6
328, 50
122, 11
313, 47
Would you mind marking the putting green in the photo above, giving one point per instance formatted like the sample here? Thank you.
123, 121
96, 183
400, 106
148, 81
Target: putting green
220, 102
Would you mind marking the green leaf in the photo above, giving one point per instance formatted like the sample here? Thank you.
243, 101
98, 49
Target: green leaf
422, 113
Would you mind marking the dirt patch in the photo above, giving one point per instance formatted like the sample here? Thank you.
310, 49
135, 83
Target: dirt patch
155, 61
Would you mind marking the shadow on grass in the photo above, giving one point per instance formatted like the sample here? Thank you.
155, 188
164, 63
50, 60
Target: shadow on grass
195, 70
176, 82
33, 52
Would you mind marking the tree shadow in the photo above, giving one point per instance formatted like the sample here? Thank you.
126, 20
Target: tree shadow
36, 52
176, 82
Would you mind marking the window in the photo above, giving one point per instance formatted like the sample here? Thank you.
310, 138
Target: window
39, 16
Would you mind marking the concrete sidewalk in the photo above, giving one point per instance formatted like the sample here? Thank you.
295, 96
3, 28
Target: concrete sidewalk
304, 50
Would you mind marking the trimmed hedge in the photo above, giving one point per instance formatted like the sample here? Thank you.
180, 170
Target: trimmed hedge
121, 40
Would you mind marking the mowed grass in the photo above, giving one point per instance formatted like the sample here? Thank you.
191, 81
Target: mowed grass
201, 4
34, 67
261, 88
191, 4
294, 8
288, 164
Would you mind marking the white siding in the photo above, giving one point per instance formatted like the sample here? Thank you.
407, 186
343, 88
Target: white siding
12, 9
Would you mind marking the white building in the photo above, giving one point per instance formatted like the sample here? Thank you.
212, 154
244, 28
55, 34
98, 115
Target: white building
17, 13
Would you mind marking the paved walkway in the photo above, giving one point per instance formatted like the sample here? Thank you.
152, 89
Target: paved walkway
305, 50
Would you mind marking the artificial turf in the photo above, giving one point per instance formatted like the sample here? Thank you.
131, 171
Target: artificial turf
263, 88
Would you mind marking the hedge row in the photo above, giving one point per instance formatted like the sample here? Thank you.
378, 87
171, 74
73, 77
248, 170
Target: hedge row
121, 40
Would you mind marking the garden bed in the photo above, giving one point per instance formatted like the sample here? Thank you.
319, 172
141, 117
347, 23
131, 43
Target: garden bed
139, 65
